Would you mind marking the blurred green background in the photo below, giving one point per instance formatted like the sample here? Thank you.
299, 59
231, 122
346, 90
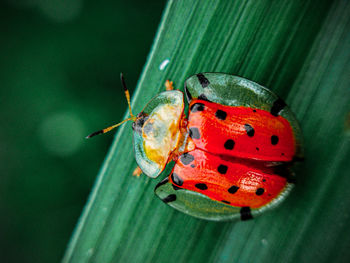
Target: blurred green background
60, 64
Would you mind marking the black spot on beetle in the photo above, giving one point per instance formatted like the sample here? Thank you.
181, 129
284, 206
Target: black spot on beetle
257, 148
277, 106
203, 80
220, 114
186, 158
203, 97
264, 180
188, 94
245, 213
259, 191
177, 179
201, 186
169, 198
194, 133
222, 169
164, 181
197, 107
274, 139
233, 189
229, 144
249, 129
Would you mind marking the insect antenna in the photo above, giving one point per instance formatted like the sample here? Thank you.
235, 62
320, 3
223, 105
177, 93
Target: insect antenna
132, 116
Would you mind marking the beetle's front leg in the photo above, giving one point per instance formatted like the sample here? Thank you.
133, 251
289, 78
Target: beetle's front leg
137, 172
169, 85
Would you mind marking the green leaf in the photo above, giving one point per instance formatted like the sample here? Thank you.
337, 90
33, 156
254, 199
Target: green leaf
299, 49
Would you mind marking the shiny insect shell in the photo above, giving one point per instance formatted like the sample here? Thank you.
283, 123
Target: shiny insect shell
233, 151
232, 154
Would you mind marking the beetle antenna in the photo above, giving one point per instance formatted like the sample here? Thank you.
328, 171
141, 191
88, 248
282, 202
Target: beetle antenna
108, 128
132, 116
127, 94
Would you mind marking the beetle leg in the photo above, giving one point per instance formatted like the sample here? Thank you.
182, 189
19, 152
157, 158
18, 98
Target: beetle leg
137, 172
168, 85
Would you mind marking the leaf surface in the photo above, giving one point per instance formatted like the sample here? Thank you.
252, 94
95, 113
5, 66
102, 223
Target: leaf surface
298, 49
